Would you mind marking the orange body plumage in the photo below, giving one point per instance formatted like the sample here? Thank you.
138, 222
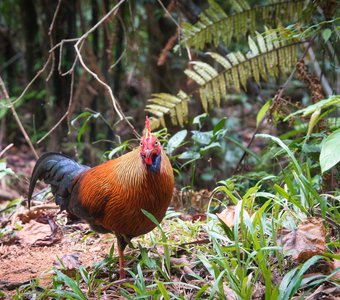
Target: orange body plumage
111, 196
117, 191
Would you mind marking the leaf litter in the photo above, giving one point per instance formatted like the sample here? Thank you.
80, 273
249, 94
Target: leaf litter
307, 240
41, 245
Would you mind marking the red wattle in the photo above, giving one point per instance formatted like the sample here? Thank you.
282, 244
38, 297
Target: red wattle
148, 160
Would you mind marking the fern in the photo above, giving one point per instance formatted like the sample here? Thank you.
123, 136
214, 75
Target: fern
269, 55
214, 25
163, 103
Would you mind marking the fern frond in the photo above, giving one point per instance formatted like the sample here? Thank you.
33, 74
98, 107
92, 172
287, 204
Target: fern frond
268, 56
214, 25
163, 103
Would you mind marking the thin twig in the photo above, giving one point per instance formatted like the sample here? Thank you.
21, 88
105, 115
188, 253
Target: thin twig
258, 127
169, 14
105, 85
53, 128
6, 148
51, 54
66, 113
28, 140
197, 242
31, 82
125, 44
50, 29
279, 95
79, 42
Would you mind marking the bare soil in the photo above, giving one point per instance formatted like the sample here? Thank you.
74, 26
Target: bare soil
22, 262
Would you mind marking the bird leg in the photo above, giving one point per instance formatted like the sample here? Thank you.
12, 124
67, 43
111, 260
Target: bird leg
122, 274
122, 242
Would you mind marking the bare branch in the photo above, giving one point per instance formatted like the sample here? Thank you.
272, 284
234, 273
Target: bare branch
31, 82
79, 42
50, 29
66, 113
10, 104
6, 148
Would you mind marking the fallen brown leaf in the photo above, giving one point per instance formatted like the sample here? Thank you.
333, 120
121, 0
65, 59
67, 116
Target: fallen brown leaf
336, 264
325, 292
305, 241
193, 217
68, 263
33, 231
227, 216
25, 215
41, 232
229, 293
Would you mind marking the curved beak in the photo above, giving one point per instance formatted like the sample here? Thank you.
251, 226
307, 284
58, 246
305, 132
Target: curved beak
148, 157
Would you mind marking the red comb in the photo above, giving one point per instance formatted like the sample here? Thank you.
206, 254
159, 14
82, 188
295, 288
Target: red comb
147, 127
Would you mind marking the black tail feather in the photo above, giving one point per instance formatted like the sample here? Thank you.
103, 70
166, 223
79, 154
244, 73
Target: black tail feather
59, 171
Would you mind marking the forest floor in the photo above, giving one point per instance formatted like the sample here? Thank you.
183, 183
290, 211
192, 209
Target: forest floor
35, 244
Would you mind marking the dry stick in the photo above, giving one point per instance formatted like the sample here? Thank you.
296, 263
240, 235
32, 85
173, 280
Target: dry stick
53, 128
31, 82
66, 113
7, 147
108, 88
50, 29
279, 95
70, 71
3, 87
169, 14
78, 45
54, 18
105, 85
85, 35
125, 44
178, 27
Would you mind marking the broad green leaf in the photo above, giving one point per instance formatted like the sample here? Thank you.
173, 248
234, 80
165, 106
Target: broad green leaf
189, 155
176, 140
210, 146
220, 125
198, 119
331, 101
330, 153
82, 129
292, 280
203, 138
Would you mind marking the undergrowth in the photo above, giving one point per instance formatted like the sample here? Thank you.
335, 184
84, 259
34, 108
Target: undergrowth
208, 258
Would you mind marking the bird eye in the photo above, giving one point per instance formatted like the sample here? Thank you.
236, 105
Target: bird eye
141, 143
156, 143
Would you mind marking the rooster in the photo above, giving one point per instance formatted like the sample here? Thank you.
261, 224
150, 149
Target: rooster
111, 196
